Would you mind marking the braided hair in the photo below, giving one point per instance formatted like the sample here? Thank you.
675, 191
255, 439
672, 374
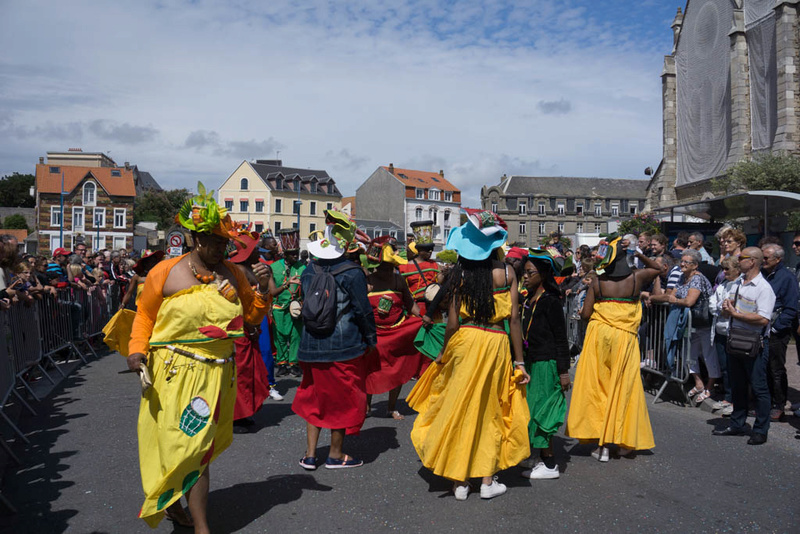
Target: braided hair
471, 282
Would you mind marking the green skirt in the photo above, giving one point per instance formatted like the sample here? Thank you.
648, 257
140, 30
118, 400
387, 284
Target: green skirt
430, 340
546, 402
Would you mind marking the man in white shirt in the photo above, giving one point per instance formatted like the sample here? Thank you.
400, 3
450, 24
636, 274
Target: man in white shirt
749, 305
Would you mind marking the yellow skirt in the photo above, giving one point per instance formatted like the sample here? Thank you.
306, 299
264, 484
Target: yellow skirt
608, 403
473, 419
185, 422
118, 331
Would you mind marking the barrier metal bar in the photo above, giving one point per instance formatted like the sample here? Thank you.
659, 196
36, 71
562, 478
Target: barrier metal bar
655, 350
25, 347
81, 303
7, 383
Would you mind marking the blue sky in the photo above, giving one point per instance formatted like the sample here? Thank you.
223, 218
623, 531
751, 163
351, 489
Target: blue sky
187, 90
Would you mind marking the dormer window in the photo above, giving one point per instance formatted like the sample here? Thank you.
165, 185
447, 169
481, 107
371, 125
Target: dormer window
89, 194
55, 170
278, 183
243, 184
116, 173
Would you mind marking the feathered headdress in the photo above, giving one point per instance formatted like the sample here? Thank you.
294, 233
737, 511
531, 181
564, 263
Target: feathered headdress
202, 214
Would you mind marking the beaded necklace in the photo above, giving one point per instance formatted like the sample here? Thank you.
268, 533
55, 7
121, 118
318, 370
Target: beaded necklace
202, 278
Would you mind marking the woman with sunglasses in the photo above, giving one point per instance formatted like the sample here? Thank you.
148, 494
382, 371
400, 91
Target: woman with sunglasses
730, 268
691, 288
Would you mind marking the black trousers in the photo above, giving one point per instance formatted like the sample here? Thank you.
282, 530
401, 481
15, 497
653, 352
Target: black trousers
776, 370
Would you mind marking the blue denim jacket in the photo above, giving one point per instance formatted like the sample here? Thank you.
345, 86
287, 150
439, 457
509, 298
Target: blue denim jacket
355, 329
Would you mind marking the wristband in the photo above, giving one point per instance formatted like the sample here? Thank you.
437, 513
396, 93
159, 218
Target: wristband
519, 364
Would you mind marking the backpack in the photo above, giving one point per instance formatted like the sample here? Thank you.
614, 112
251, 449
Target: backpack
319, 298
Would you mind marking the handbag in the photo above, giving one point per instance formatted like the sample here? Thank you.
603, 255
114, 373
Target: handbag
742, 342
701, 313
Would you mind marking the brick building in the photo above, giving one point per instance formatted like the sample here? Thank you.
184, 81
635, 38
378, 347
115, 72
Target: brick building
98, 198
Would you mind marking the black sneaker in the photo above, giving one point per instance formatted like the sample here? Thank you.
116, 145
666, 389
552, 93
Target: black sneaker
295, 371
282, 370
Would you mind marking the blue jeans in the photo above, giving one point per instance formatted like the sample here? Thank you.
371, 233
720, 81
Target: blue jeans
753, 372
265, 344
720, 342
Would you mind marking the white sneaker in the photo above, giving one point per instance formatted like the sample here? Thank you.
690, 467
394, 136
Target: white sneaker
274, 395
601, 454
461, 492
727, 410
541, 472
719, 405
495, 489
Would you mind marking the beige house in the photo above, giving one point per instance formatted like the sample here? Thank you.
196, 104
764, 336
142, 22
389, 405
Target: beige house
266, 194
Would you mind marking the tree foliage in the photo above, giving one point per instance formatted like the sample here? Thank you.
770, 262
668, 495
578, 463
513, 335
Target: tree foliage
15, 222
641, 222
159, 206
767, 171
15, 191
447, 256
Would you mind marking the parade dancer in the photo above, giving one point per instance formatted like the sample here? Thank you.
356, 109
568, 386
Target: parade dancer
544, 338
334, 355
190, 311
473, 419
252, 383
288, 326
270, 253
397, 318
608, 404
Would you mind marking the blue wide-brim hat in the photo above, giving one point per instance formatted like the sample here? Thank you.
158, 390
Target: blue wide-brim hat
473, 243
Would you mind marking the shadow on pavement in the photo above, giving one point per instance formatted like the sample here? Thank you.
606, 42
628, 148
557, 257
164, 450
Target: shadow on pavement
38, 483
271, 414
232, 509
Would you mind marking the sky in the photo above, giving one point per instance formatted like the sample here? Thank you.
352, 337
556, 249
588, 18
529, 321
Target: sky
188, 89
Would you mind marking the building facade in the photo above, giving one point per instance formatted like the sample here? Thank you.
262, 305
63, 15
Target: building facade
97, 198
534, 207
403, 196
730, 88
266, 194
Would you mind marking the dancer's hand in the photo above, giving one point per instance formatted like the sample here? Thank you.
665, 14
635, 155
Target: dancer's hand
565, 382
426, 320
263, 274
525, 376
134, 360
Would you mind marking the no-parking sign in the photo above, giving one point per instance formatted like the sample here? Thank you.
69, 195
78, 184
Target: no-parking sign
175, 243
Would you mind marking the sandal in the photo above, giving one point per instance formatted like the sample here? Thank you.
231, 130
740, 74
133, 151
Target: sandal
185, 521
694, 391
397, 416
342, 463
703, 396
309, 463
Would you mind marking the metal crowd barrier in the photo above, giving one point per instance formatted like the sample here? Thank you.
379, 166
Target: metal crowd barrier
654, 349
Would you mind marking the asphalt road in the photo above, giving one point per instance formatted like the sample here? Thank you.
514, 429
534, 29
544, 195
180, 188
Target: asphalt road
81, 475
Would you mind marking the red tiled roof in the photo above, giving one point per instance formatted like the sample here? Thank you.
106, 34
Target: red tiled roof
50, 182
423, 179
19, 234
352, 202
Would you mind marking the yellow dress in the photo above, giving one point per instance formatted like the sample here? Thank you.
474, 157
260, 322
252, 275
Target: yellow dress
608, 401
117, 331
473, 417
186, 418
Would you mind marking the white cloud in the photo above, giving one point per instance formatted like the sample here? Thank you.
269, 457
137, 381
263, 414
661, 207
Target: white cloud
189, 89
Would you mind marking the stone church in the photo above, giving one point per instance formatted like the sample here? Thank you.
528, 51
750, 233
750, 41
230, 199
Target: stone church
729, 90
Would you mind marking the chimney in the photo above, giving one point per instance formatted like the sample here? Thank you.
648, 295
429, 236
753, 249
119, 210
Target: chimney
127, 165
41, 160
441, 173
391, 168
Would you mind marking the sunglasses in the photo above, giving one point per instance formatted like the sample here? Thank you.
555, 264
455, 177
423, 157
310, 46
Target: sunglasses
743, 257
796, 243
